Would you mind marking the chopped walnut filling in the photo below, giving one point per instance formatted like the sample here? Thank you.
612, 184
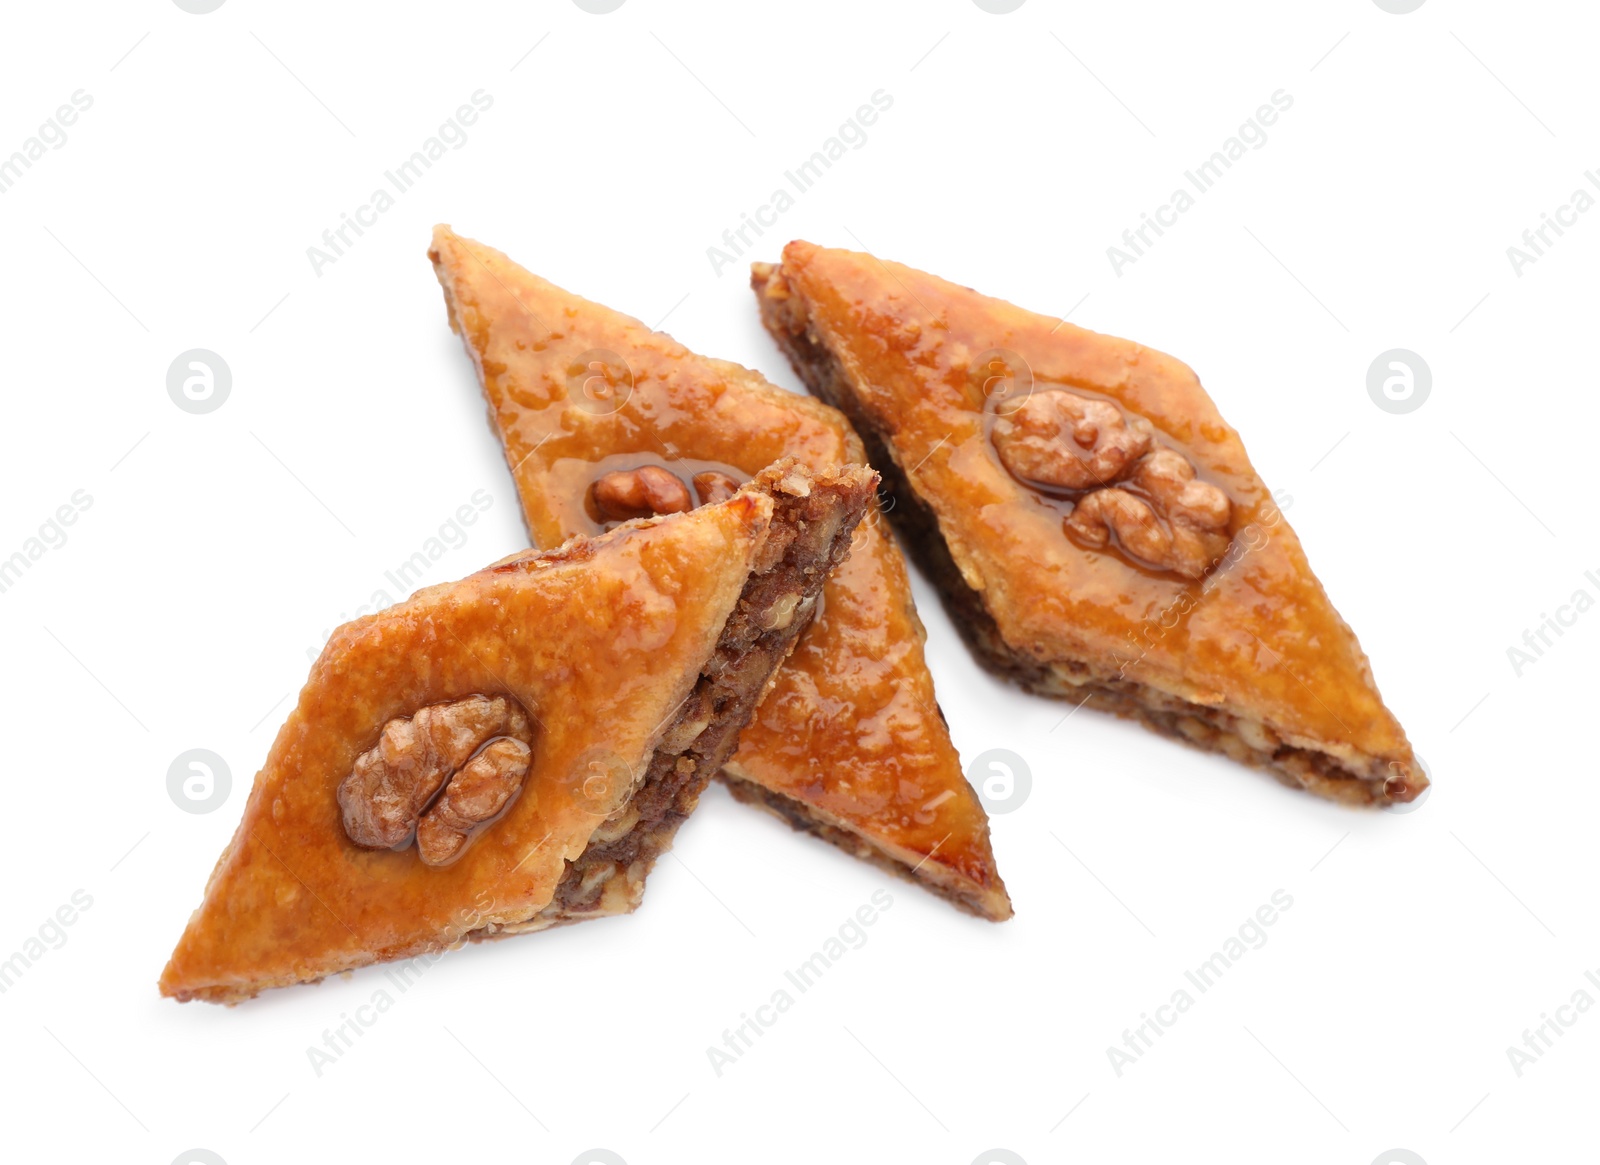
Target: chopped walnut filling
640, 493
476, 750
1167, 518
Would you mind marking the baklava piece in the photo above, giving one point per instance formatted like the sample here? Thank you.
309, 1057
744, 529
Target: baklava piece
514, 750
1092, 522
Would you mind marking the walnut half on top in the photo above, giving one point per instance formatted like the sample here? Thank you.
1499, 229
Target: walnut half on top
1061, 439
438, 776
1145, 494
654, 490
640, 493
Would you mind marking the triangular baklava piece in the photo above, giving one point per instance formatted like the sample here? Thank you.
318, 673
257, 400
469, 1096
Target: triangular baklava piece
513, 750
603, 419
1093, 523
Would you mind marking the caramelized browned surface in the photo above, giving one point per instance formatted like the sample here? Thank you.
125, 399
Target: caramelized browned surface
850, 729
1255, 640
599, 642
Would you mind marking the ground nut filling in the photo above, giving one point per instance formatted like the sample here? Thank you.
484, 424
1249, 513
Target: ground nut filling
438, 777
815, 518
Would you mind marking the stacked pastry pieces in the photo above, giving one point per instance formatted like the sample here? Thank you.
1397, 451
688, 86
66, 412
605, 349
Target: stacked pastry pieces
713, 595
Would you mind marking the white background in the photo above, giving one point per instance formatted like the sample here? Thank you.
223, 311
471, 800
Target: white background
219, 548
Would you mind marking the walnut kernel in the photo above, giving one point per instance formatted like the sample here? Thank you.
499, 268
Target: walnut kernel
714, 486
476, 794
393, 792
1180, 525
640, 493
1169, 478
1058, 438
1145, 494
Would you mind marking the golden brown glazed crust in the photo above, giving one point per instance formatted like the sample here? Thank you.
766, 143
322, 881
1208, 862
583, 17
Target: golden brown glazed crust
850, 733
1252, 660
599, 641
